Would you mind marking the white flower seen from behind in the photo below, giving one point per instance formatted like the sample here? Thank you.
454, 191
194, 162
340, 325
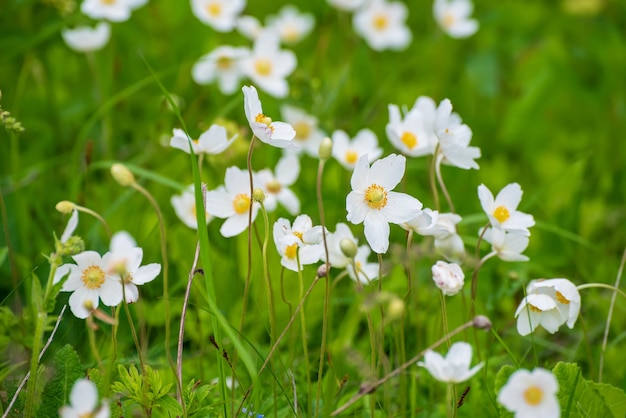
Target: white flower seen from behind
455, 367
448, 277
86, 38
531, 394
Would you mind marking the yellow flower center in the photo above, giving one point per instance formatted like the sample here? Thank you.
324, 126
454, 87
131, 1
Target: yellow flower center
291, 251
376, 196
561, 298
409, 140
273, 186
241, 203
380, 22
533, 395
108, 2
298, 234
501, 214
291, 34
303, 130
213, 9
534, 308
351, 157
92, 277
263, 66
266, 120
224, 63
448, 20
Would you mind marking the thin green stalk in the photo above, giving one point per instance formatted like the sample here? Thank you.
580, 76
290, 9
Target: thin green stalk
91, 334
478, 265
601, 286
305, 349
444, 316
442, 184
431, 178
249, 270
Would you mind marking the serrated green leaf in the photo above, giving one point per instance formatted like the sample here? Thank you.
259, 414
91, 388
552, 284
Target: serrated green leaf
170, 406
586, 398
67, 368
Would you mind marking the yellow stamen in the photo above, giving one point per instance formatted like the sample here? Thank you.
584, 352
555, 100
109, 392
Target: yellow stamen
266, 120
351, 157
303, 130
561, 298
273, 186
534, 308
380, 22
298, 234
214, 9
291, 251
533, 395
92, 277
224, 63
501, 214
241, 203
376, 196
263, 66
409, 140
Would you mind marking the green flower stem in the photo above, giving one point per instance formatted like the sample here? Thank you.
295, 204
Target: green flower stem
91, 326
409, 278
431, 177
320, 207
601, 286
478, 265
305, 349
95, 215
266, 276
133, 331
444, 316
249, 270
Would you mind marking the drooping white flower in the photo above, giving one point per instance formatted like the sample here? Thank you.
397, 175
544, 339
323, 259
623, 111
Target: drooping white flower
90, 281
454, 138
508, 246
382, 25
249, 26
278, 134
232, 202
125, 260
268, 66
454, 17
549, 303
348, 152
112, 10
212, 141
299, 244
413, 134
308, 134
222, 64
84, 402
185, 207
441, 226
347, 5
221, 15
373, 202
291, 25
448, 277
86, 38
502, 211
531, 394
276, 185
455, 367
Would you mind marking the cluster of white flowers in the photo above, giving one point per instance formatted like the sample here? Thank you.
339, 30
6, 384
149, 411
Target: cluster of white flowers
111, 278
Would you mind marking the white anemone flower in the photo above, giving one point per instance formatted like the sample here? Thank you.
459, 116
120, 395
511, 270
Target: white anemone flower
382, 25
347, 5
454, 17
86, 38
441, 226
531, 394
412, 134
455, 367
348, 152
232, 202
213, 141
366, 272
125, 260
249, 26
454, 138
221, 15
502, 211
508, 246
84, 402
276, 185
336, 256
112, 10
549, 303
299, 244
308, 134
184, 205
90, 281
373, 202
222, 64
448, 277
278, 134
291, 25
268, 66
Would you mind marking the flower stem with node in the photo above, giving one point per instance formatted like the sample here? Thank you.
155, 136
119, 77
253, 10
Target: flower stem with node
431, 177
442, 184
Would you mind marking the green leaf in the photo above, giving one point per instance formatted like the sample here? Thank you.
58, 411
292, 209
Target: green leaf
66, 369
4, 251
580, 397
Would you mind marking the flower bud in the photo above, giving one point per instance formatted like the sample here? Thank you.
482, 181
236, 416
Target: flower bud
65, 206
448, 277
72, 246
122, 175
326, 149
258, 195
482, 322
322, 271
348, 247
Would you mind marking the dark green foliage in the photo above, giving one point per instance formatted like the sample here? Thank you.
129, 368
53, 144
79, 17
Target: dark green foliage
66, 368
